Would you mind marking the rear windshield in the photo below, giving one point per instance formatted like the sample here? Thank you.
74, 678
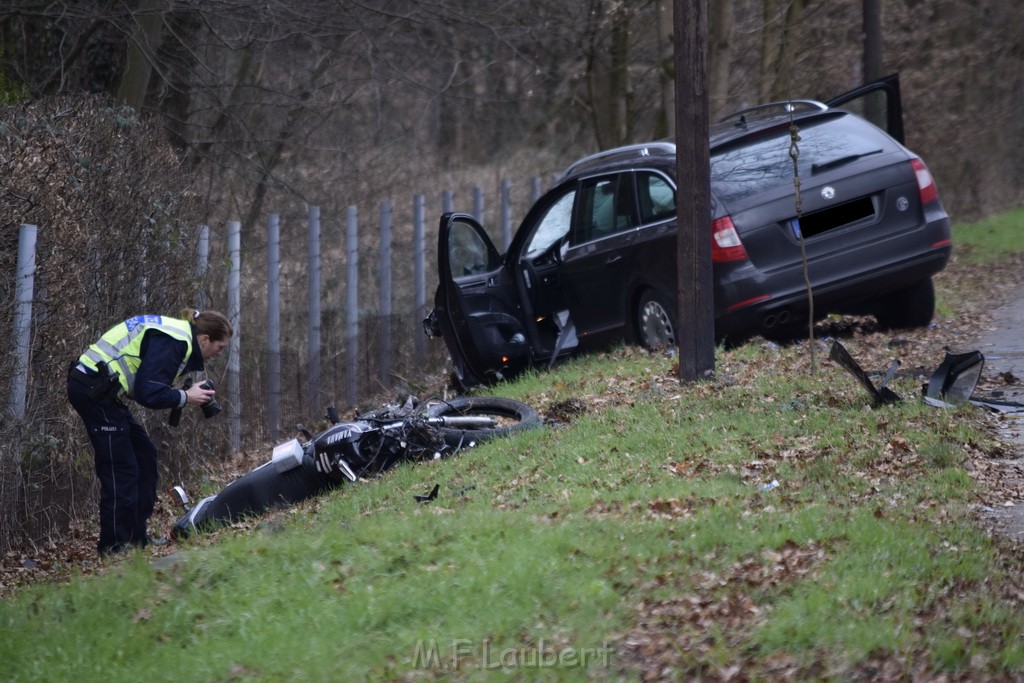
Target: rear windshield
764, 163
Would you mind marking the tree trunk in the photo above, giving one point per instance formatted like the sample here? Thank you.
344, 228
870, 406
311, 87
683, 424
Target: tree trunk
720, 55
608, 82
179, 59
665, 124
268, 160
872, 40
781, 37
142, 49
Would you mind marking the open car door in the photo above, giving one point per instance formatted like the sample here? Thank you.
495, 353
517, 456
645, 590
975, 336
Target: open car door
878, 102
476, 305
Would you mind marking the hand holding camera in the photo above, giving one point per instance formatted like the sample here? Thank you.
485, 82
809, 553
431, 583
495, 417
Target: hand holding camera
200, 394
213, 406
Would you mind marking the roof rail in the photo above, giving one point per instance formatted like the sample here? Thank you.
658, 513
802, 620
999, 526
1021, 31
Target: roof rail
643, 149
784, 107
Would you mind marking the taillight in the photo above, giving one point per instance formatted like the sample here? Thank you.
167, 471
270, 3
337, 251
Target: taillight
725, 242
925, 183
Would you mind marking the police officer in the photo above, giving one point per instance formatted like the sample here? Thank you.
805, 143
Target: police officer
138, 359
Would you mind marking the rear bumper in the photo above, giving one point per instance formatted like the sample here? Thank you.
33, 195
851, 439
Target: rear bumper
754, 312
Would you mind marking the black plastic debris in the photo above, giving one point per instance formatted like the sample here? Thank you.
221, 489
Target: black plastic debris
879, 395
953, 382
429, 497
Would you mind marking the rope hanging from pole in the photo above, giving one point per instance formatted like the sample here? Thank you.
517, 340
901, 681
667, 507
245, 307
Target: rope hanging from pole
794, 154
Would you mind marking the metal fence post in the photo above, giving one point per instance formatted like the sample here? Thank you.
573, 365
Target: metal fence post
506, 214
234, 345
314, 311
202, 265
385, 293
24, 291
446, 201
352, 303
420, 277
478, 204
534, 189
273, 325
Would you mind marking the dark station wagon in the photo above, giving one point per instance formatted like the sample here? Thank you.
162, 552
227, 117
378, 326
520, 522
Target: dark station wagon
594, 259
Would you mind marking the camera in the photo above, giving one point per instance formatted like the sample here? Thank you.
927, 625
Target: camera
213, 407
209, 409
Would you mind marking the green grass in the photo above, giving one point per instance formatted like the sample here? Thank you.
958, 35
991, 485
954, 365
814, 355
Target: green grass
632, 540
990, 238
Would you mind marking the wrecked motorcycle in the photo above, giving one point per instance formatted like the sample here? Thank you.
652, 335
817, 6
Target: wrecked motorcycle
347, 451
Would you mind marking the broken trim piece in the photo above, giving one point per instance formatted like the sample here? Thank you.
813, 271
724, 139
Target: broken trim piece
879, 396
954, 381
952, 384
956, 377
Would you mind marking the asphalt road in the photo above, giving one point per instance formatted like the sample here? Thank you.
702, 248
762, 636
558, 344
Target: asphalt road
1002, 344
1003, 347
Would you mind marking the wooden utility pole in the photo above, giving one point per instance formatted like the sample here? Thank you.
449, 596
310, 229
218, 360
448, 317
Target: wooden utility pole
696, 333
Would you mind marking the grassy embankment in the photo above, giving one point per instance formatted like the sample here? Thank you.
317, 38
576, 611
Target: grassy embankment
631, 540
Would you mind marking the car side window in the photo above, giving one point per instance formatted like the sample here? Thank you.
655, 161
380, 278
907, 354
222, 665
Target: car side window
656, 196
606, 208
467, 253
553, 225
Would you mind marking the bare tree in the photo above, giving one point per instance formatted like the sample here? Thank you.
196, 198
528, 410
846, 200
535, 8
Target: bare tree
283, 101
872, 40
665, 124
720, 42
780, 41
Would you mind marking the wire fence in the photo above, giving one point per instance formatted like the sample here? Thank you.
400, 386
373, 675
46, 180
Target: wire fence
327, 308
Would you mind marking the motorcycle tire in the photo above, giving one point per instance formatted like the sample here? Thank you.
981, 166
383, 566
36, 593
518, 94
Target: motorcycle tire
513, 416
254, 493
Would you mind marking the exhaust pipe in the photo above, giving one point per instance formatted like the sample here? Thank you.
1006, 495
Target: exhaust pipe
773, 319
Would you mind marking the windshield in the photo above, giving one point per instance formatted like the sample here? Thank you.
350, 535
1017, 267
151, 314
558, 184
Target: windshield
553, 226
764, 163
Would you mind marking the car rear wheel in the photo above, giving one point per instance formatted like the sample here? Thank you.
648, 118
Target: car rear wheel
910, 307
655, 324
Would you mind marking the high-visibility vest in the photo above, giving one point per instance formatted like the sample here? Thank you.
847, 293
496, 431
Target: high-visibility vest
121, 346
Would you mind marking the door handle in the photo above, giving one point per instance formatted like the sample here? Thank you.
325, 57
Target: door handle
613, 259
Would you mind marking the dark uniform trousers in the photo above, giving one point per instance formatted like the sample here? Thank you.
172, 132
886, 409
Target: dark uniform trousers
126, 465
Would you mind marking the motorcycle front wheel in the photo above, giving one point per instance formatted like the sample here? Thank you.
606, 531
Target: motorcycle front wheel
511, 416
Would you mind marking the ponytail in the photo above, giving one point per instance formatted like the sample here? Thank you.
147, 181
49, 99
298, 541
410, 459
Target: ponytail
211, 323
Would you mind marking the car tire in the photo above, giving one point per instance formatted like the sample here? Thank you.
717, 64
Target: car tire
513, 416
913, 306
655, 323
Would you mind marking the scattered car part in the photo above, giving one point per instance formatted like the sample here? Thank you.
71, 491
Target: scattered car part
954, 381
951, 384
879, 395
429, 496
